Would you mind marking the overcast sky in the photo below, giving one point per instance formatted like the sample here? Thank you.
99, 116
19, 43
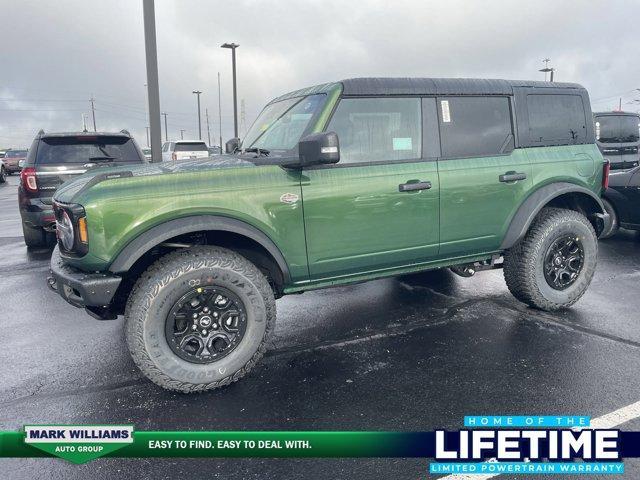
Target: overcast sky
55, 55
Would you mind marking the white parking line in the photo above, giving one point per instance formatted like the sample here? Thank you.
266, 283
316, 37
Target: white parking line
609, 420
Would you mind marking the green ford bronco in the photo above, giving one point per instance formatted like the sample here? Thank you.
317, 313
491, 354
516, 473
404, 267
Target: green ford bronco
334, 184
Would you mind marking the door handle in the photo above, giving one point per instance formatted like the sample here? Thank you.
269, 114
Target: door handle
413, 186
512, 177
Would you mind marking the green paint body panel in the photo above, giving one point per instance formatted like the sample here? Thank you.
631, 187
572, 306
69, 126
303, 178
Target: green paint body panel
351, 223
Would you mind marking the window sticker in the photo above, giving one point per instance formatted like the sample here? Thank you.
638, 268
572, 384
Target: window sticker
402, 143
446, 115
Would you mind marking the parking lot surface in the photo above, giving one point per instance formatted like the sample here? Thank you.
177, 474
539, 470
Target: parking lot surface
411, 353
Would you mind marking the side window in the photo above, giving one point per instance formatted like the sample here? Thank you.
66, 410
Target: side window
165, 147
475, 126
556, 118
378, 129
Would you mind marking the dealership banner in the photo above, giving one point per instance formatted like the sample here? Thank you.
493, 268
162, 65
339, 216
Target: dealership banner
514, 445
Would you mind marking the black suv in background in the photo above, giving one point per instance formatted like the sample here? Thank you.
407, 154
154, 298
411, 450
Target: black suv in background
55, 158
618, 138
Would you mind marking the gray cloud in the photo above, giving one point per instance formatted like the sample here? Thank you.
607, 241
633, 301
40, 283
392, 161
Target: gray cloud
56, 55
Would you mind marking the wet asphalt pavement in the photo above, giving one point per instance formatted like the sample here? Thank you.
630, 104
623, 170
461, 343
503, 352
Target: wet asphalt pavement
414, 353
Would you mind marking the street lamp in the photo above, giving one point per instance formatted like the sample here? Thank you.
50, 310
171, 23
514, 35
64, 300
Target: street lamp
197, 93
233, 47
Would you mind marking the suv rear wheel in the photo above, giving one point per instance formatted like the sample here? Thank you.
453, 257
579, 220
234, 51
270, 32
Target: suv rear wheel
552, 266
34, 237
199, 319
3, 174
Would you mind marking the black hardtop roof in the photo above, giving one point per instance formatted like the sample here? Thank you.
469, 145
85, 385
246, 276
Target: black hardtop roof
442, 86
425, 86
615, 112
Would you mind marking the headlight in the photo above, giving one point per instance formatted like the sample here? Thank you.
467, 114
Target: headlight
64, 230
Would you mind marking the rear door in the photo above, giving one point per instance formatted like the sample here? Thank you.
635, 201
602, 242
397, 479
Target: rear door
483, 179
377, 209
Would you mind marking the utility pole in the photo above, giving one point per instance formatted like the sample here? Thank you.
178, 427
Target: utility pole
243, 118
153, 88
206, 113
84, 122
233, 47
182, 130
93, 112
219, 113
197, 93
547, 69
166, 131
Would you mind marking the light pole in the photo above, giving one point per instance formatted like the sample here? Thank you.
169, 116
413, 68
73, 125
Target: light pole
197, 93
153, 90
166, 131
206, 114
233, 47
219, 113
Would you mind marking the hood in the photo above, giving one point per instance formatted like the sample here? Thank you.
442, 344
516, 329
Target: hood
68, 190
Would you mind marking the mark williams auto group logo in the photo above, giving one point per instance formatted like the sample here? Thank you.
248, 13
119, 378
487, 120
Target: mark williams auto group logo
527, 445
78, 444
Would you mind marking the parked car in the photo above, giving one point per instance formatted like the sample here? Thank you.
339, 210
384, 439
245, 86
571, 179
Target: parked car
3, 153
3, 174
184, 150
618, 137
12, 161
335, 184
57, 157
622, 200
147, 154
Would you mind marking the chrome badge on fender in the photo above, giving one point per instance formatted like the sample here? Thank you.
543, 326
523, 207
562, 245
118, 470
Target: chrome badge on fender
289, 198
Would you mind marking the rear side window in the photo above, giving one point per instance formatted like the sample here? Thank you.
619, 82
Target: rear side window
54, 150
191, 147
475, 126
556, 119
378, 129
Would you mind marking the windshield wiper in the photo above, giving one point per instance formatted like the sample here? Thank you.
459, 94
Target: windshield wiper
259, 151
103, 158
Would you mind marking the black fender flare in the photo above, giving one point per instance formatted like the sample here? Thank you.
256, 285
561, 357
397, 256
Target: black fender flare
525, 214
154, 236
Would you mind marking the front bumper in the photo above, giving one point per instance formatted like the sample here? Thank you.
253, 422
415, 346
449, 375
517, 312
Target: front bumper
91, 291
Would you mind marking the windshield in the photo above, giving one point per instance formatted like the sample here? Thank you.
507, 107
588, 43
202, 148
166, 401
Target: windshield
87, 149
618, 128
281, 124
16, 153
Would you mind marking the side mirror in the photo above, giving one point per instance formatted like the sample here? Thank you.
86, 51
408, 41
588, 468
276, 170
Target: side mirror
232, 145
319, 148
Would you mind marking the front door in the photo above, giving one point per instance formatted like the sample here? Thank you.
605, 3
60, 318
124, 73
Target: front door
378, 208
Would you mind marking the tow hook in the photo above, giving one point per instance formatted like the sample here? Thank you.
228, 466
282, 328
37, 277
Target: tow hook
52, 283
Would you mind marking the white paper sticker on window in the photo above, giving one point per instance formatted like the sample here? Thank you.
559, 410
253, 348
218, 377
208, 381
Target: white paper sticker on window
446, 115
402, 143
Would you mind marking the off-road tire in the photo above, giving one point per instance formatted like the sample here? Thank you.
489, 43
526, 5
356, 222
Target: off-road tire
34, 237
163, 283
524, 262
615, 222
3, 175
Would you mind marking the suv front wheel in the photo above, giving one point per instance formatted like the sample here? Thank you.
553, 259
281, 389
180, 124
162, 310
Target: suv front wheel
552, 266
199, 318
